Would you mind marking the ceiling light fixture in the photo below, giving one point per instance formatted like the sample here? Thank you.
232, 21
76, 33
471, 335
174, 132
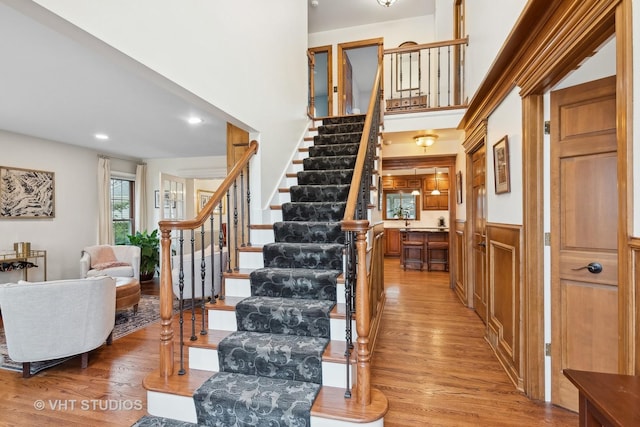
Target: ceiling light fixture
386, 3
425, 140
415, 192
194, 120
101, 136
436, 192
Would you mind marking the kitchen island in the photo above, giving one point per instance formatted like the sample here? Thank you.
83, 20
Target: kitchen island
416, 253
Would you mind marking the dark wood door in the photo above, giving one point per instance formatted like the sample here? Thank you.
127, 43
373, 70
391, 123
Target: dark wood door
584, 227
479, 245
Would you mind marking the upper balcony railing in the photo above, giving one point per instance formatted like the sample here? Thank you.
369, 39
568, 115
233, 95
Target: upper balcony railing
425, 77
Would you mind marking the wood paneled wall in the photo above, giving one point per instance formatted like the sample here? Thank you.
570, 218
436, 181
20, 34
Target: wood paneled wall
504, 325
460, 262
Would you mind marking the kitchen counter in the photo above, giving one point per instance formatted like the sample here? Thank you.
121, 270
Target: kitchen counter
423, 229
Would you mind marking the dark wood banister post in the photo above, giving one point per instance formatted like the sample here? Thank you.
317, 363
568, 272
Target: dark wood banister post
363, 312
166, 306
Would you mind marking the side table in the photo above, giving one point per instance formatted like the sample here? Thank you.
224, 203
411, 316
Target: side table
11, 258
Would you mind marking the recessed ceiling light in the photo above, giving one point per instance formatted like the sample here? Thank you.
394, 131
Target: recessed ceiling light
102, 136
194, 120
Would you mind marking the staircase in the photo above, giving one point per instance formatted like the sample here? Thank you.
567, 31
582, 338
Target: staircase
277, 340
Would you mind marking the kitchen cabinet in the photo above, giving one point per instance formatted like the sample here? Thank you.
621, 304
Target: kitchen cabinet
392, 242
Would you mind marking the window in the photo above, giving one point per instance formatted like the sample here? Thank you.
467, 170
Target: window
399, 205
122, 209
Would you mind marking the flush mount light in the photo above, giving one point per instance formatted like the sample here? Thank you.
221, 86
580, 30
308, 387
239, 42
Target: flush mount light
425, 140
193, 120
101, 136
386, 3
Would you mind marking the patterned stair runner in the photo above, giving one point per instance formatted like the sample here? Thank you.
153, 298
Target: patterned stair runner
271, 368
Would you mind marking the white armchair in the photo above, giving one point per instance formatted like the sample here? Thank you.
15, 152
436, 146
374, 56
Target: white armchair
186, 261
76, 316
108, 260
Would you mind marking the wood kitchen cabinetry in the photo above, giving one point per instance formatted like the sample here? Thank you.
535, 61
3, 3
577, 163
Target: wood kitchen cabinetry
392, 242
438, 202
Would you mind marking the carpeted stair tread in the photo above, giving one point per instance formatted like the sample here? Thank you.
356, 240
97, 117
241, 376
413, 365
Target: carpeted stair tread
273, 355
230, 399
331, 129
337, 138
287, 316
303, 255
153, 421
351, 118
294, 283
319, 193
326, 177
308, 232
329, 162
344, 149
313, 211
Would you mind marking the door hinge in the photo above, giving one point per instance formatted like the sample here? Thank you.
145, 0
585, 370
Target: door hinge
547, 127
547, 239
547, 349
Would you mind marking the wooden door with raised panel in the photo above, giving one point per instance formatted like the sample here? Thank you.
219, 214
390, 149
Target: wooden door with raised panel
479, 233
584, 230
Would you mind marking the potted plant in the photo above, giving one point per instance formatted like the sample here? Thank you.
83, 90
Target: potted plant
149, 245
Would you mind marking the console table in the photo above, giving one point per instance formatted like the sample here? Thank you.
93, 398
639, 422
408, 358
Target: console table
11, 261
606, 399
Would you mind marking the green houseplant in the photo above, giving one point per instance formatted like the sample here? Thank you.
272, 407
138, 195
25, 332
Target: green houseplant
149, 245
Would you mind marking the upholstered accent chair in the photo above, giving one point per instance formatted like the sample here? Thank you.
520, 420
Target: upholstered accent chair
72, 318
110, 260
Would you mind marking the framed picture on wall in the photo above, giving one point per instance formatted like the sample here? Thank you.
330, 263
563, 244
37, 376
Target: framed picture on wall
26, 193
501, 166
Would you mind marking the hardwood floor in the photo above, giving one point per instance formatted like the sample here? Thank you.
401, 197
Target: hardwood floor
446, 374
435, 367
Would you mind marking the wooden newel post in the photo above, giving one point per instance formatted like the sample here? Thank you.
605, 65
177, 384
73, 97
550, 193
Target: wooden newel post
363, 319
166, 307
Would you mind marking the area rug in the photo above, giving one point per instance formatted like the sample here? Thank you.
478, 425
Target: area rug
126, 323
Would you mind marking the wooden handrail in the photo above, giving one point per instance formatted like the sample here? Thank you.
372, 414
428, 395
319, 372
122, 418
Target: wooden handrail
166, 280
358, 228
416, 47
188, 224
352, 199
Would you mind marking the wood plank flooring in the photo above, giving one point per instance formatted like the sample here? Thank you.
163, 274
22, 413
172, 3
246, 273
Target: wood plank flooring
446, 374
435, 367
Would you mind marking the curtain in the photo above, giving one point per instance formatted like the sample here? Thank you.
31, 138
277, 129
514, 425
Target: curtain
105, 227
141, 198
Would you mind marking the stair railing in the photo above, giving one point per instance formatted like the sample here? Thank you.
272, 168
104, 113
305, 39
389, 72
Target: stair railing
230, 202
362, 297
425, 77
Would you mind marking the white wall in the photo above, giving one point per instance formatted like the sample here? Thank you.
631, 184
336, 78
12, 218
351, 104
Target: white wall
211, 167
248, 61
76, 204
506, 208
488, 24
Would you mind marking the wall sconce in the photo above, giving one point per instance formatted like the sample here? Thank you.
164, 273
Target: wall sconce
426, 140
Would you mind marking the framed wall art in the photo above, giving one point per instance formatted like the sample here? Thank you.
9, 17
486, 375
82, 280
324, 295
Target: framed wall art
26, 193
203, 198
459, 187
501, 166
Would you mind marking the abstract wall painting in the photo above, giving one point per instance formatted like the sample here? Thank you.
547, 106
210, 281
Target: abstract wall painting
26, 193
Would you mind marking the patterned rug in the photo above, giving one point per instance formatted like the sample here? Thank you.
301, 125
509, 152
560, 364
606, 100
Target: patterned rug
126, 323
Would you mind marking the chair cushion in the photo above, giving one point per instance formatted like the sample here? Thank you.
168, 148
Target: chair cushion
119, 271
